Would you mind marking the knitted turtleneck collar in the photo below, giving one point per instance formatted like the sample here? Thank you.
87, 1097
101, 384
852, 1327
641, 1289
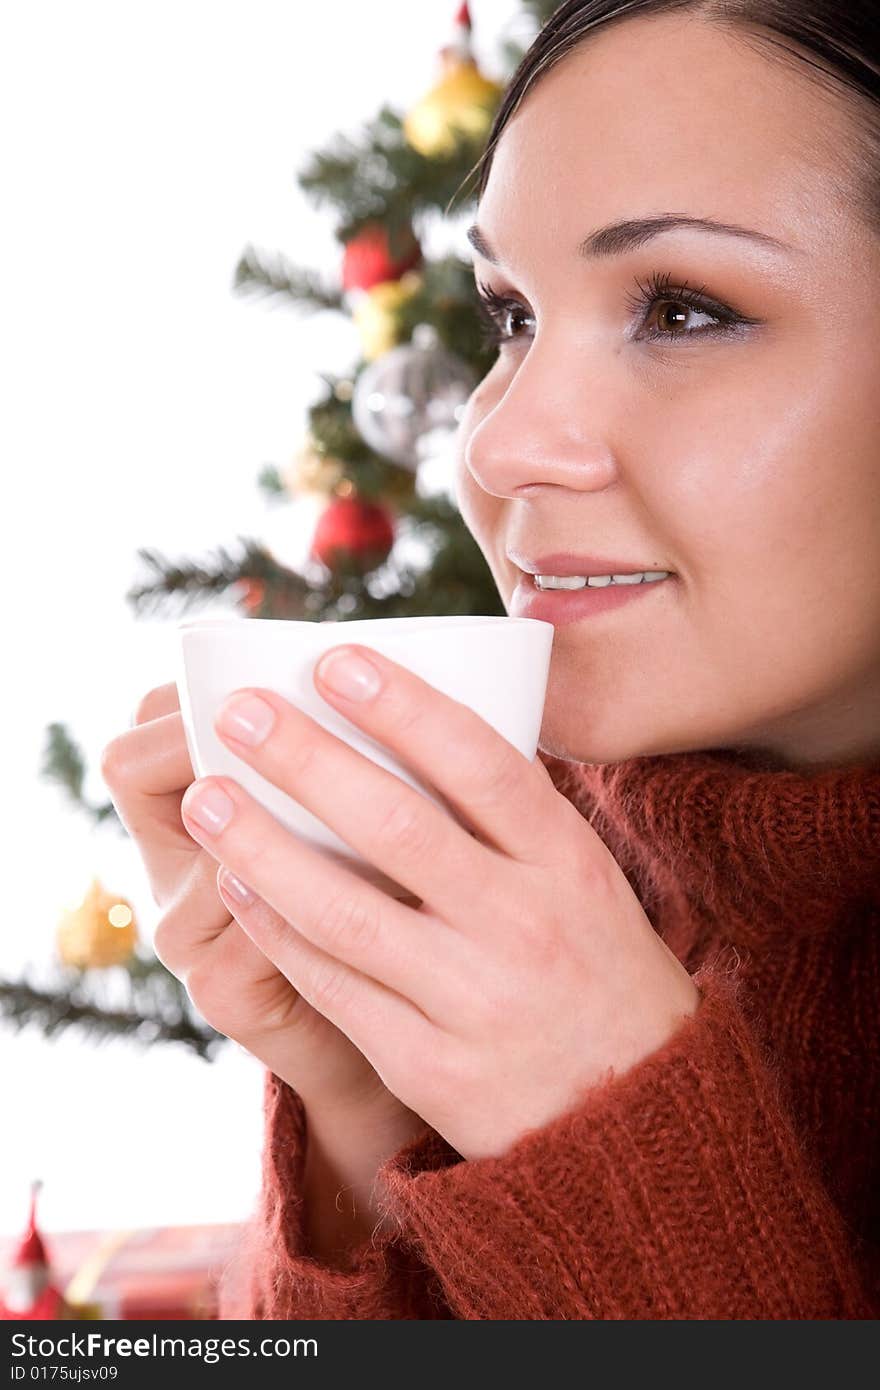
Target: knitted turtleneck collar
759, 846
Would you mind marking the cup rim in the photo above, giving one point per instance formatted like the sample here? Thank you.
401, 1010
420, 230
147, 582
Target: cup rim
389, 624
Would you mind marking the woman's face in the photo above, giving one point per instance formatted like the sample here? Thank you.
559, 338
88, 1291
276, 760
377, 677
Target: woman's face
744, 459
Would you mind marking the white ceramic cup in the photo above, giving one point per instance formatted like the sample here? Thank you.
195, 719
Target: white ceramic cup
496, 665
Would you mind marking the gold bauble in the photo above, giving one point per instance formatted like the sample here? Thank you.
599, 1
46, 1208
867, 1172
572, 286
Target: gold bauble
312, 471
462, 104
100, 932
376, 310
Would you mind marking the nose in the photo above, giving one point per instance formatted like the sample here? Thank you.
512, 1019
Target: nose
551, 426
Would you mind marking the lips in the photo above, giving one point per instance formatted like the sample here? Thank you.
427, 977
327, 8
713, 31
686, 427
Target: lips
567, 563
564, 606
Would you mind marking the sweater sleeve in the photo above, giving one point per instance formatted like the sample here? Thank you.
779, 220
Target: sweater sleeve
272, 1275
677, 1190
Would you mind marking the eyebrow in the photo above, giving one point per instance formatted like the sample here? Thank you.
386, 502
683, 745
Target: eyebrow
620, 237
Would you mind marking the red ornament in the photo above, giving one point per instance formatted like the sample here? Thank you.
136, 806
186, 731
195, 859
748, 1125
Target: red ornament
355, 533
367, 259
252, 593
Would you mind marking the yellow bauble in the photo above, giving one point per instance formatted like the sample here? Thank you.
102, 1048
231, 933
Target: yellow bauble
463, 103
375, 313
100, 932
312, 472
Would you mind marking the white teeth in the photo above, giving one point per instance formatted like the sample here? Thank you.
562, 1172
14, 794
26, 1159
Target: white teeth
597, 581
560, 581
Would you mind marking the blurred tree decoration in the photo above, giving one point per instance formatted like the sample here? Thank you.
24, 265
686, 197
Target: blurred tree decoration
388, 542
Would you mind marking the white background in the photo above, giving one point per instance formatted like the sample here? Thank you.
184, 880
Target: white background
145, 146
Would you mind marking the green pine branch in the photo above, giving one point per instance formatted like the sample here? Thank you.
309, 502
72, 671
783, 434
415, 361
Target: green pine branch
185, 582
63, 763
377, 176
157, 1009
270, 273
269, 481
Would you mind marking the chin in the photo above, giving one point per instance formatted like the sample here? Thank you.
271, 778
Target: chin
579, 736
570, 744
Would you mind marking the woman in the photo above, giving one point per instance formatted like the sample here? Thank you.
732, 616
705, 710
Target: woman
621, 1061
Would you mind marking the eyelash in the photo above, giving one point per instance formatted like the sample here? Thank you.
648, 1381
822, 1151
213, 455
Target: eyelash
659, 287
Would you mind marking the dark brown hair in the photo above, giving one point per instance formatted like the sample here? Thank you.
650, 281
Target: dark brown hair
836, 42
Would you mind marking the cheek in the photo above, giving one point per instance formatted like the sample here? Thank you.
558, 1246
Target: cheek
774, 490
777, 510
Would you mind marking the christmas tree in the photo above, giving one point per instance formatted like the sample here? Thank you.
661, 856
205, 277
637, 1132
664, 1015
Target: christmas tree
374, 456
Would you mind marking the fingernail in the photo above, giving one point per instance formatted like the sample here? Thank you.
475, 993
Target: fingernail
246, 718
210, 808
349, 675
234, 887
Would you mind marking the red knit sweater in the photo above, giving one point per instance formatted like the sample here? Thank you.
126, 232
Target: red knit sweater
735, 1173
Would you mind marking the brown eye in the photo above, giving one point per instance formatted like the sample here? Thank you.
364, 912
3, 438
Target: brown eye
668, 311
673, 316
496, 310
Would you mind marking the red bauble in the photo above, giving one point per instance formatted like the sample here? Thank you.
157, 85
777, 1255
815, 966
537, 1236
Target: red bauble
252, 592
367, 260
354, 533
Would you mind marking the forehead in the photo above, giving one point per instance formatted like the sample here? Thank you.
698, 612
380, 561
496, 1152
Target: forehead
668, 114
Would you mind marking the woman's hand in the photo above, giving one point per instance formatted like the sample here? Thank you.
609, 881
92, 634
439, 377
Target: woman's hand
233, 984
529, 973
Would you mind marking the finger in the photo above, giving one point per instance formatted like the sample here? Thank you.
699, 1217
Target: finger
255, 1002
147, 770
244, 984
164, 699
194, 915
380, 1023
150, 760
510, 801
412, 953
388, 822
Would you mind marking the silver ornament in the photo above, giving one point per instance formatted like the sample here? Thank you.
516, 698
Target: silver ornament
408, 403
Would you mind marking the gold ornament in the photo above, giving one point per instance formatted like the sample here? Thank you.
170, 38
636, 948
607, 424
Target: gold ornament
461, 105
312, 472
376, 313
100, 932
